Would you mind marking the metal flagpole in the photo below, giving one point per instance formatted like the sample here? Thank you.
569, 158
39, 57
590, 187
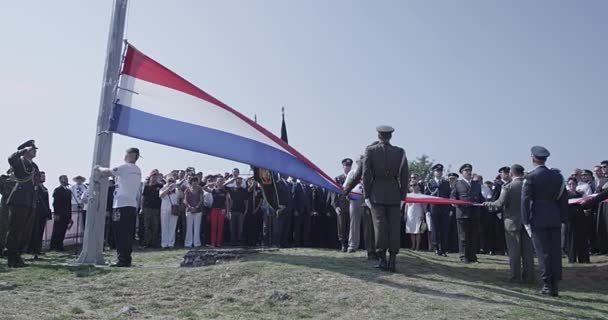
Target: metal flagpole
92, 246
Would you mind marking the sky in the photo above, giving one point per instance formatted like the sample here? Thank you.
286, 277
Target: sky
461, 81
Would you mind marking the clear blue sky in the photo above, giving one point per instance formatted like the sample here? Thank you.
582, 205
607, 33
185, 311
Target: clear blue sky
476, 81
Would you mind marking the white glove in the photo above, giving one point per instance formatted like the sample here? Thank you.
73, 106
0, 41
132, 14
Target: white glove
528, 229
368, 203
338, 211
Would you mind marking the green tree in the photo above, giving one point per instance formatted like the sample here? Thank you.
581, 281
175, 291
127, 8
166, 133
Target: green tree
422, 166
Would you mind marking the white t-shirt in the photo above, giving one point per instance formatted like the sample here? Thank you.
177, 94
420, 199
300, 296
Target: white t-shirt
170, 199
128, 185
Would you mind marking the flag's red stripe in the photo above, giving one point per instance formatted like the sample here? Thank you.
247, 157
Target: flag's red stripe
140, 66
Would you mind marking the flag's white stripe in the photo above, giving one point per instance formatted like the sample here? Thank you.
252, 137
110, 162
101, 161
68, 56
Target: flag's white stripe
173, 104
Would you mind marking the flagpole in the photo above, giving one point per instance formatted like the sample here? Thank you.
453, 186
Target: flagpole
92, 245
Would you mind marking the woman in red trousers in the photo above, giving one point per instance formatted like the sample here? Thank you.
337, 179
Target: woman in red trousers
218, 211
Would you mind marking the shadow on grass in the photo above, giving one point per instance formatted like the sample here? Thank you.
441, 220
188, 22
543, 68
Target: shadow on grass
431, 269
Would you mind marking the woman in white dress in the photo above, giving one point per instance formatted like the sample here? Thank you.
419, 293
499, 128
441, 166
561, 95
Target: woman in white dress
170, 196
414, 219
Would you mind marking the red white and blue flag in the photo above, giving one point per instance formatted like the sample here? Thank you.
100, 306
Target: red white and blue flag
155, 104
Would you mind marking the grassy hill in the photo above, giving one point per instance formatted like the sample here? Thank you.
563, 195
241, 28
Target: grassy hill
295, 284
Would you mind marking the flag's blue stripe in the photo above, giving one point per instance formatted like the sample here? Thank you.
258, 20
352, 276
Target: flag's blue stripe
146, 126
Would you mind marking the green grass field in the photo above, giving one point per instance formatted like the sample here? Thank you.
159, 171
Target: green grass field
295, 284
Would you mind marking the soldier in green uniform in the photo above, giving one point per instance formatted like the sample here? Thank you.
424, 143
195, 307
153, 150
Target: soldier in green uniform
385, 184
7, 183
22, 202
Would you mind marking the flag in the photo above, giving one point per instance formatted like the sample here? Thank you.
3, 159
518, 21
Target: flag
157, 105
284, 127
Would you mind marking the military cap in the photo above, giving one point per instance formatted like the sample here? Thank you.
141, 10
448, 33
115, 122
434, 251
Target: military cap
453, 175
81, 178
134, 150
465, 166
27, 144
504, 169
347, 162
517, 168
385, 129
540, 152
437, 167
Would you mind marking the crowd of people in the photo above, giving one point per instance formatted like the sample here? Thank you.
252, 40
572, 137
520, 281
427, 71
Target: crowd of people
184, 208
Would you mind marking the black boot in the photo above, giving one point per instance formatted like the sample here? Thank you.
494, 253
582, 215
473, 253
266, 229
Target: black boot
344, 246
382, 265
391, 262
372, 256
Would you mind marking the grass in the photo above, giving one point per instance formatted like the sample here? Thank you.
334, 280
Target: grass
295, 284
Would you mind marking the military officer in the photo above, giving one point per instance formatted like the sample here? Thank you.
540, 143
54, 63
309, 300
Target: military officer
385, 185
440, 214
467, 216
341, 205
22, 202
7, 183
544, 208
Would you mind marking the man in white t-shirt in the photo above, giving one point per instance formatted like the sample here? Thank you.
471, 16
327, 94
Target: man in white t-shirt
126, 195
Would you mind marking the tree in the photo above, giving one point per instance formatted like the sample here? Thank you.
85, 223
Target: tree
422, 166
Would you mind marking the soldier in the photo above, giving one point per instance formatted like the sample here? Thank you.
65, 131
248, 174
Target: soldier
7, 183
519, 244
440, 214
385, 186
43, 214
341, 205
22, 202
544, 208
467, 216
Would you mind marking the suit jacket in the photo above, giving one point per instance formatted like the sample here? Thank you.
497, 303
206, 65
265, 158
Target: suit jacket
603, 195
26, 173
284, 190
302, 200
385, 174
340, 200
467, 192
544, 202
438, 189
509, 202
42, 208
62, 201
319, 200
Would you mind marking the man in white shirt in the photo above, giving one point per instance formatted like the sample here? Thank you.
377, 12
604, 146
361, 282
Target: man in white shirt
356, 211
126, 195
78, 190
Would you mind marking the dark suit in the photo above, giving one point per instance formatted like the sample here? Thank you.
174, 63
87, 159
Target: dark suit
318, 220
544, 208
385, 184
43, 214
282, 223
440, 214
7, 184
302, 203
467, 218
341, 205
62, 207
22, 204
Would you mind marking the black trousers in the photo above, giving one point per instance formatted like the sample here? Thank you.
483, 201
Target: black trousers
547, 244
468, 235
301, 228
368, 230
124, 220
343, 226
60, 227
487, 231
20, 225
578, 239
440, 224
35, 245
